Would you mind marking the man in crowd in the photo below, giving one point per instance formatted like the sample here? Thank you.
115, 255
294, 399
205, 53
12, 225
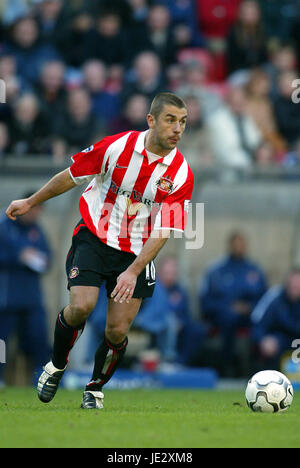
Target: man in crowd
229, 292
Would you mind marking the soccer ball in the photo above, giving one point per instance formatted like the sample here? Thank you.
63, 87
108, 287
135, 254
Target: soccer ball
269, 392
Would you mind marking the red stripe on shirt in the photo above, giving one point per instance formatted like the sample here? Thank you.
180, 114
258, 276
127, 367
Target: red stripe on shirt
140, 185
117, 177
91, 163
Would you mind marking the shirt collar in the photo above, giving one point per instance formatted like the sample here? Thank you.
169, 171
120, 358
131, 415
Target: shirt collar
140, 148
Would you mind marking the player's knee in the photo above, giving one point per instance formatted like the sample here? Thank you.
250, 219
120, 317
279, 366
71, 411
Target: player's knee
80, 310
116, 333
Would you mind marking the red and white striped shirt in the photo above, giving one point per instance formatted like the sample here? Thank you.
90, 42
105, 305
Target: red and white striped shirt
128, 195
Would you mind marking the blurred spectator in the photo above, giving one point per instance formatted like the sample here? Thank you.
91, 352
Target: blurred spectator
100, 7
160, 33
196, 84
115, 79
286, 111
24, 257
13, 10
73, 38
78, 127
184, 20
183, 38
175, 77
140, 10
146, 77
246, 42
14, 85
281, 59
106, 42
180, 11
292, 158
29, 50
180, 21
50, 89
235, 136
29, 128
265, 156
168, 317
279, 17
4, 140
260, 108
215, 17
8, 67
295, 35
105, 103
133, 116
230, 289
137, 40
276, 321
196, 139
154, 34
51, 18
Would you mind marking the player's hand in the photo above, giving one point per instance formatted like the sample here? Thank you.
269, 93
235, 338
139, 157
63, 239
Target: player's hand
125, 287
18, 208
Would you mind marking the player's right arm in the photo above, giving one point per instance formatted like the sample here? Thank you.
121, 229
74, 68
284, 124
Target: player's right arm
86, 165
60, 183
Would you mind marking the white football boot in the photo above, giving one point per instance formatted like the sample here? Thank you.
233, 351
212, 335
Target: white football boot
48, 382
92, 400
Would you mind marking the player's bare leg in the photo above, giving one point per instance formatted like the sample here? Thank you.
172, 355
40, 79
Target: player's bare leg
120, 318
111, 351
69, 327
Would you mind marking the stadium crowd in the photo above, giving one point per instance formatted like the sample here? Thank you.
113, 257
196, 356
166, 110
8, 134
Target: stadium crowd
77, 70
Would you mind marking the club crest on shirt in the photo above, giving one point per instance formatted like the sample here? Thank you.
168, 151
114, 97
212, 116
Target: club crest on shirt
74, 272
165, 184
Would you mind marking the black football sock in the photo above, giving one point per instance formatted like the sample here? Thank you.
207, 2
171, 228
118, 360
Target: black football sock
107, 358
65, 337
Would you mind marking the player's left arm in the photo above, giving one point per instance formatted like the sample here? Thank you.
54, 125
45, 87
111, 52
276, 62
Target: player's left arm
127, 280
172, 216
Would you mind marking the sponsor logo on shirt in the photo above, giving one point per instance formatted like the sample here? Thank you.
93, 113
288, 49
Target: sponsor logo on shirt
135, 194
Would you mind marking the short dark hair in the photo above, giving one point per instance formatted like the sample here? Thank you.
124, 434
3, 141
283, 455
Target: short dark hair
163, 99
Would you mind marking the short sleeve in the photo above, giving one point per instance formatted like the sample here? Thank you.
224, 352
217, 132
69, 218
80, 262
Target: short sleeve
174, 209
92, 161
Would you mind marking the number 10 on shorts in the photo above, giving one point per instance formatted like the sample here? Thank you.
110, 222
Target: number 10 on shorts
150, 272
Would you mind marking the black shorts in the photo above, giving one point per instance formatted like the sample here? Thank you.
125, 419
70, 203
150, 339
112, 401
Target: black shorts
90, 262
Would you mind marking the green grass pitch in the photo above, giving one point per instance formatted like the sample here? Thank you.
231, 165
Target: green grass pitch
143, 418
